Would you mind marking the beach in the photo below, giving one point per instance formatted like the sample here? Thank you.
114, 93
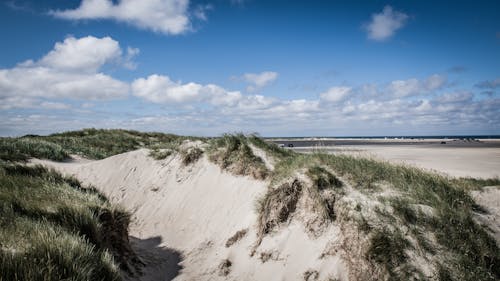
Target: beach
478, 158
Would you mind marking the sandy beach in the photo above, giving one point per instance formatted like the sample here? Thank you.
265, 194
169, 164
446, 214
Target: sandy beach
476, 158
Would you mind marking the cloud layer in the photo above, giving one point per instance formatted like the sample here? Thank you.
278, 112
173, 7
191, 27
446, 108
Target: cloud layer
164, 16
68, 89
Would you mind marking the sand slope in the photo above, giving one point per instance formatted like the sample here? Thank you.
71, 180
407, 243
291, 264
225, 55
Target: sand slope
187, 214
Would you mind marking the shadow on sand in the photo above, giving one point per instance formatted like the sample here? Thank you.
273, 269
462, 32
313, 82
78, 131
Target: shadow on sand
161, 263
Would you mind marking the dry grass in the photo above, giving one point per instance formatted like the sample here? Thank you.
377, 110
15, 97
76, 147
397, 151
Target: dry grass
191, 155
225, 267
236, 237
277, 206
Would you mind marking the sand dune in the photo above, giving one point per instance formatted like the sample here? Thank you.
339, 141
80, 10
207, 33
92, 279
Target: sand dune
198, 221
188, 214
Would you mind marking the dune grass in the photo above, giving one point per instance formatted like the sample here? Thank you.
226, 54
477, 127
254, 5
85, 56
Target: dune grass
99, 144
233, 153
277, 205
89, 143
52, 228
21, 149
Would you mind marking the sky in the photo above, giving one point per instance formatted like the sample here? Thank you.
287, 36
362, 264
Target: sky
276, 68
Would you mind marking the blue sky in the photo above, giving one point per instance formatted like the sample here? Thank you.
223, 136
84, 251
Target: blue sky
279, 68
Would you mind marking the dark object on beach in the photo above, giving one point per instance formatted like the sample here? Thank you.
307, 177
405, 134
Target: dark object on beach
443, 142
290, 145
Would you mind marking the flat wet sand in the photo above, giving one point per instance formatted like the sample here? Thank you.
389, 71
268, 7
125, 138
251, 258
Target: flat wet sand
479, 159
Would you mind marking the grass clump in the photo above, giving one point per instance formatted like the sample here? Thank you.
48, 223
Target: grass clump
225, 267
191, 155
322, 178
236, 237
323, 191
388, 248
232, 152
52, 228
277, 205
161, 153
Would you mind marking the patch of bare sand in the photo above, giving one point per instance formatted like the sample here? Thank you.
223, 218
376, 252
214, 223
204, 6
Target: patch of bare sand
489, 200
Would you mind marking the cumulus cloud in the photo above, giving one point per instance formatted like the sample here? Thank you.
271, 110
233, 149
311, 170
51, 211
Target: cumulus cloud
70, 70
259, 80
164, 16
383, 25
161, 89
85, 54
335, 94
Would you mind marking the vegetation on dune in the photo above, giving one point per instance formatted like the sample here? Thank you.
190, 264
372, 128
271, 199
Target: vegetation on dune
460, 248
405, 215
89, 143
21, 149
191, 155
233, 153
277, 205
52, 228
271, 148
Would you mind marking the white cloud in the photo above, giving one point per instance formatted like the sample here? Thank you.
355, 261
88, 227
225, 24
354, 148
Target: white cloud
86, 54
335, 94
385, 24
161, 89
164, 16
413, 86
403, 88
70, 70
128, 60
259, 80
434, 82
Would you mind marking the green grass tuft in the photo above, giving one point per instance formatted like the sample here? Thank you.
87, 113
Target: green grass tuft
388, 248
52, 228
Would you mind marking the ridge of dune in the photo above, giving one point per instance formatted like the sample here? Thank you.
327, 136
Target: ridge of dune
193, 211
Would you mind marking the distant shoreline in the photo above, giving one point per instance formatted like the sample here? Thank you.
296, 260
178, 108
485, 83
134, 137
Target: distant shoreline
479, 137
434, 142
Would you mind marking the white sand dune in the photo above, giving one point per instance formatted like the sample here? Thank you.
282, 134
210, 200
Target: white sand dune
187, 214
